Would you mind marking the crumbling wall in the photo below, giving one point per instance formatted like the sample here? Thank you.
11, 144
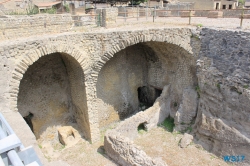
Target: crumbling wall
13, 27
118, 142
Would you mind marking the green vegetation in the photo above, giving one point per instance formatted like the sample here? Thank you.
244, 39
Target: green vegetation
198, 90
218, 86
66, 6
50, 11
137, 2
199, 25
168, 124
31, 10
246, 86
241, 2
141, 128
175, 104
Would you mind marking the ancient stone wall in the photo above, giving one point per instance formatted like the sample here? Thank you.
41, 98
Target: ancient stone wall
118, 142
45, 92
223, 112
90, 50
222, 121
152, 64
13, 27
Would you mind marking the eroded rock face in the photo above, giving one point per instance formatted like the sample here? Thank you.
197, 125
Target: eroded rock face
223, 119
187, 110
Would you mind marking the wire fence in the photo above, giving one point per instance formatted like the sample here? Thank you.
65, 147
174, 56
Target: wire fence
151, 14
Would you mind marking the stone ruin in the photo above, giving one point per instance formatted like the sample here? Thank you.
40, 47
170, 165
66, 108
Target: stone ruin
200, 77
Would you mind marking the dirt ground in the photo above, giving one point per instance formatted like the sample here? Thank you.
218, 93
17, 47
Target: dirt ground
156, 143
161, 143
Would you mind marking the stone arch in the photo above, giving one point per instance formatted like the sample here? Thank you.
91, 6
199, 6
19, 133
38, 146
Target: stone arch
34, 55
108, 73
28, 59
139, 39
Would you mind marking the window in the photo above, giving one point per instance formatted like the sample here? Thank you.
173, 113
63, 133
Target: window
230, 6
223, 6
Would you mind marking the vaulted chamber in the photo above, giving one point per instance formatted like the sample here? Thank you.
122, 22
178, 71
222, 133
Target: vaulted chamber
134, 77
52, 94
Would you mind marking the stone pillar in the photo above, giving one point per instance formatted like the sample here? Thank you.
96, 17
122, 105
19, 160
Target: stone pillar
108, 16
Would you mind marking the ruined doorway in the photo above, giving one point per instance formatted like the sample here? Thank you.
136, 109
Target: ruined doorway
52, 94
147, 96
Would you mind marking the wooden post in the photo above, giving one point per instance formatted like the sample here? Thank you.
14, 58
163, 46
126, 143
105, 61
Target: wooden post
189, 17
154, 15
241, 17
137, 13
125, 14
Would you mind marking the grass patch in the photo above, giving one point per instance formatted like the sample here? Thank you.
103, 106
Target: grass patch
246, 86
168, 124
199, 25
176, 133
218, 86
198, 90
141, 128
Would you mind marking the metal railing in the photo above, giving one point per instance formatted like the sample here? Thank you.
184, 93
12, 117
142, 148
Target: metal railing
12, 151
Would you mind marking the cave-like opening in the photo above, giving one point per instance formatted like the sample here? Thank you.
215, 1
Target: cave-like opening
134, 77
147, 96
52, 94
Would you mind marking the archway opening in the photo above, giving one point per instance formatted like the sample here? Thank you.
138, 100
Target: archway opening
135, 76
52, 95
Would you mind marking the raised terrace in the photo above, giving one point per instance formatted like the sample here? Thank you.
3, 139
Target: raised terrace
62, 84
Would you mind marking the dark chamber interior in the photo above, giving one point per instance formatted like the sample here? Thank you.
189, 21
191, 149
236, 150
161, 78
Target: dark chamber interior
147, 95
28, 121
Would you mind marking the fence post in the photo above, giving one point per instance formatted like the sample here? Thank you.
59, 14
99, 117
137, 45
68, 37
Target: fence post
137, 13
241, 18
154, 15
178, 9
99, 18
125, 14
189, 17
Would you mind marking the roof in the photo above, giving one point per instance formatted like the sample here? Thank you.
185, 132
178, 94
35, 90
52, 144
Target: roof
47, 4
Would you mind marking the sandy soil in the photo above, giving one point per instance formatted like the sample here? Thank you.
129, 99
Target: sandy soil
161, 143
156, 143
